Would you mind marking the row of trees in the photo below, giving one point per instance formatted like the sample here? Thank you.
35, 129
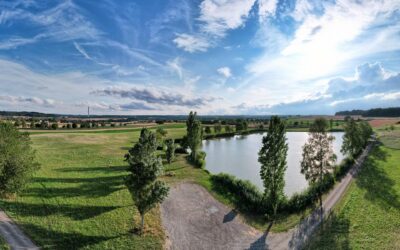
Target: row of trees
318, 158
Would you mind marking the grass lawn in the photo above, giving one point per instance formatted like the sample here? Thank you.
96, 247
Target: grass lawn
77, 200
368, 216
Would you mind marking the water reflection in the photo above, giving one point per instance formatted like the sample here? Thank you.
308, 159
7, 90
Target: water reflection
238, 156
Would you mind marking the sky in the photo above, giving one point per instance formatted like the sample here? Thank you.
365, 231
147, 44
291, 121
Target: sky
254, 57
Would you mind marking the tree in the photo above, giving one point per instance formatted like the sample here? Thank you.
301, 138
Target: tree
170, 153
17, 123
144, 167
331, 124
194, 134
207, 130
272, 157
352, 140
74, 125
366, 132
17, 159
228, 129
241, 125
54, 126
217, 128
23, 123
160, 134
318, 157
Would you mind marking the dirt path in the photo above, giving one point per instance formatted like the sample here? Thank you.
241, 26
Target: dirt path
13, 235
193, 219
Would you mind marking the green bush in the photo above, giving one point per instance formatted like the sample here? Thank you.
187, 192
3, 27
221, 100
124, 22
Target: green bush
200, 160
242, 193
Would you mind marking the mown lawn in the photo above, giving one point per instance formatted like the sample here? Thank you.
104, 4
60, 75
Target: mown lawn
368, 217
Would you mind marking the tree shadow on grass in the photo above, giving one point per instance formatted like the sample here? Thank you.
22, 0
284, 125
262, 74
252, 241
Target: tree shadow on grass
105, 169
373, 179
79, 187
50, 239
333, 234
43, 210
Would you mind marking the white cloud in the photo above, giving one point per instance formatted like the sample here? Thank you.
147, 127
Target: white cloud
175, 65
220, 16
191, 43
225, 71
217, 17
266, 8
82, 51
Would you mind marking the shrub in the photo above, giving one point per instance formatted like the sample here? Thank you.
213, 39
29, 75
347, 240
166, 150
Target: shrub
242, 193
199, 161
341, 170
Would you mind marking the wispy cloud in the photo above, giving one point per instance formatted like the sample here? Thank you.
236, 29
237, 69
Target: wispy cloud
191, 43
18, 100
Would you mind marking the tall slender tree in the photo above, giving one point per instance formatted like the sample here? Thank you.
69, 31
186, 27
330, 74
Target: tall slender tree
272, 157
170, 153
194, 134
352, 140
318, 157
145, 166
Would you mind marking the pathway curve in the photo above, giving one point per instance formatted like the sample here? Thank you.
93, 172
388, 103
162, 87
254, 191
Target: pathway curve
14, 236
193, 219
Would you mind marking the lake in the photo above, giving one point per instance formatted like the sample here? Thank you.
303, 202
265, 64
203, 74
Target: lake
238, 156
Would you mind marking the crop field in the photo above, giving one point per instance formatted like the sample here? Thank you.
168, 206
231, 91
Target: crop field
368, 217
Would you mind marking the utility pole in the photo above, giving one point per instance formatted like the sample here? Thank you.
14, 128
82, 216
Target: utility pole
88, 111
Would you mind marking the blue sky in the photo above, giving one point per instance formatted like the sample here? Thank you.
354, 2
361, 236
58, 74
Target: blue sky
213, 56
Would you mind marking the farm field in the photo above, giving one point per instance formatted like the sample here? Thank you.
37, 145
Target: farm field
368, 217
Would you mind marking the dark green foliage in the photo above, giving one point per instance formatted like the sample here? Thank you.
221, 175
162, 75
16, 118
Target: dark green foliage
54, 126
272, 157
218, 128
243, 194
17, 159
378, 112
144, 167
356, 136
207, 130
194, 135
170, 153
241, 125
74, 125
228, 129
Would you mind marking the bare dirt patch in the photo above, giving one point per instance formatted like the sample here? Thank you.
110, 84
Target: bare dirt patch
193, 219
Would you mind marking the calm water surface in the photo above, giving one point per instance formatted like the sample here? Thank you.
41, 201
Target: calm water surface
239, 156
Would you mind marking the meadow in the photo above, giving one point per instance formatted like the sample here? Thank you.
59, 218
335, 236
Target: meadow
368, 217
78, 200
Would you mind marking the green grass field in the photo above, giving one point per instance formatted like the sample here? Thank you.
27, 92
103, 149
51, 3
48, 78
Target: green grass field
368, 216
77, 200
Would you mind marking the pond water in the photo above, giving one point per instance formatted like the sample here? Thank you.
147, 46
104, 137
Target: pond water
238, 156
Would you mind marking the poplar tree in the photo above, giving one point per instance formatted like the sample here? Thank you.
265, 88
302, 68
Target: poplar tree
144, 167
194, 134
318, 157
272, 157
170, 153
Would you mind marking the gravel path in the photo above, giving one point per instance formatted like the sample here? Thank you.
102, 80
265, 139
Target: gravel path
193, 219
13, 235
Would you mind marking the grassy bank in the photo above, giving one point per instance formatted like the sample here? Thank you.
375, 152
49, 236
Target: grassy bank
368, 216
